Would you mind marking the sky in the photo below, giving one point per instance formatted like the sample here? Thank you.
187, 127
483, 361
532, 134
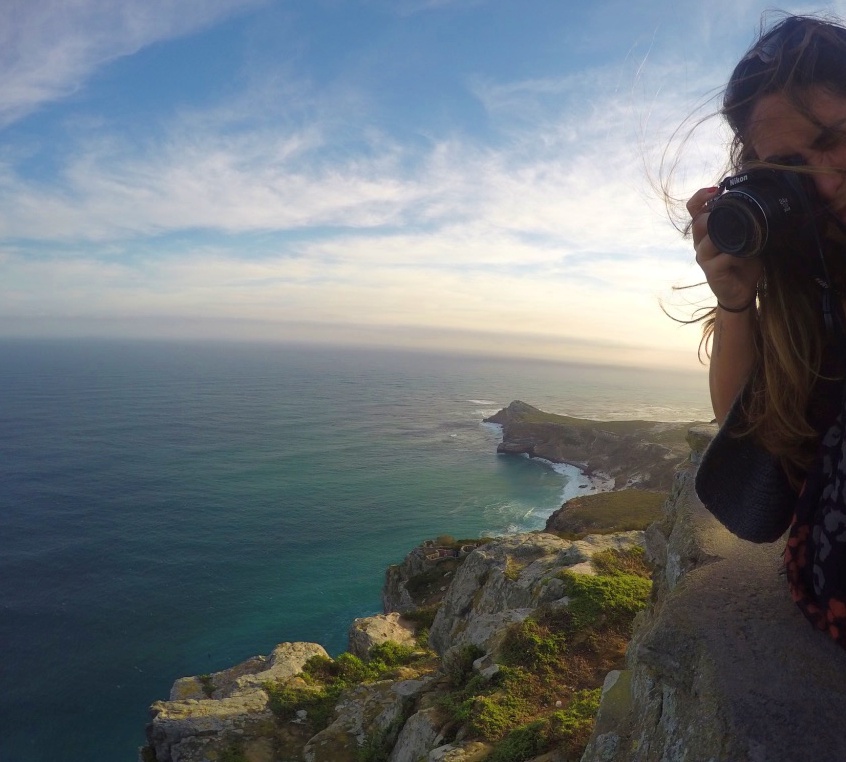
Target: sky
474, 176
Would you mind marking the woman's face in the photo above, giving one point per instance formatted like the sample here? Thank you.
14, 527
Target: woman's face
777, 128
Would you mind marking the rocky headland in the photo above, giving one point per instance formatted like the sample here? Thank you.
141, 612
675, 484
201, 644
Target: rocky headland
639, 454
606, 645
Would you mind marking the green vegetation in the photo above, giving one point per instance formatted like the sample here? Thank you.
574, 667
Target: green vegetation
629, 561
546, 692
206, 684
605, 601
567, 730
429, 582
605, 512
323, 680
424, 616
449, 542
512, 569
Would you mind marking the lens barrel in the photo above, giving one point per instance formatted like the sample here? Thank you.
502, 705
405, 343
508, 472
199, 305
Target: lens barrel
738, 225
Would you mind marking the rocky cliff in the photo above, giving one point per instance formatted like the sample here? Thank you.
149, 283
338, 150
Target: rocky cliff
721, 666
492, 651
641, 454
506, 657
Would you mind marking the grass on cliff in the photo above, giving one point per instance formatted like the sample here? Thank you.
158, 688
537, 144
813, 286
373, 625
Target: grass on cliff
551, 666
605, 512
318, 687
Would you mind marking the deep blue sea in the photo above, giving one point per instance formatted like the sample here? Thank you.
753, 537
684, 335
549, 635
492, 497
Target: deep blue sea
171, 509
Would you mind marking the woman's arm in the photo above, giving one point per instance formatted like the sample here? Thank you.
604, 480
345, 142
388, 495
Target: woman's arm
732, 356
734, 281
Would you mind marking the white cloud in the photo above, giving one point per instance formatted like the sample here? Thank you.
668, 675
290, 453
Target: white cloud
48, 48
550, 232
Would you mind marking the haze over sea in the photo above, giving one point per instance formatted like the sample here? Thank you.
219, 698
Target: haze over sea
171, 509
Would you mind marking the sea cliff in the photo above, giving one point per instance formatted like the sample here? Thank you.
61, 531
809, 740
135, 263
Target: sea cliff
496, 649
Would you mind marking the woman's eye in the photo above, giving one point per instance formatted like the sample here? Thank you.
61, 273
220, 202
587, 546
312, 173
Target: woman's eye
827, 140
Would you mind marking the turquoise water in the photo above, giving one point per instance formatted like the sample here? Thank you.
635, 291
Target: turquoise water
172, 509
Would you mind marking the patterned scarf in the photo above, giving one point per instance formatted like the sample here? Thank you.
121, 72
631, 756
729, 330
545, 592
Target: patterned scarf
815, 556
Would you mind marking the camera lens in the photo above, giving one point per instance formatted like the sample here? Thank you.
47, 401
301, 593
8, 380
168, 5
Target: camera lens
737, 226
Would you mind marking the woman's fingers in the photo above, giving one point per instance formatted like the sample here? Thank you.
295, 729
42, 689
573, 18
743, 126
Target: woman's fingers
697, 207
733, 280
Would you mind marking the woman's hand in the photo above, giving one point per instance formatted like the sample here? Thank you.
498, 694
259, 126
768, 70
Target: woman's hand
734, 280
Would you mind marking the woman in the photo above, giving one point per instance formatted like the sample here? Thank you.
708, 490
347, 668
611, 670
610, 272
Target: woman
778, 345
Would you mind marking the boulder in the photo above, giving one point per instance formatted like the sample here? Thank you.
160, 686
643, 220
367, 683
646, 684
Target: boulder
191, 730
207, 713
363, 713
373, 630
419, 735
286, 660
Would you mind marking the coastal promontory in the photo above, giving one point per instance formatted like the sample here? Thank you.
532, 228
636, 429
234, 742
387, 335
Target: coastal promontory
639, 454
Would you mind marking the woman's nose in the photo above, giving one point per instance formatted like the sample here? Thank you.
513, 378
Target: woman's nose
829, 183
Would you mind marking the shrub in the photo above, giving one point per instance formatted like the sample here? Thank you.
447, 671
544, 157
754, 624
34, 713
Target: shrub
391, 654
423, 617
326, 678
492, 716
629, 561
568, 730
532, 645
610, 601
318, 703
207, 684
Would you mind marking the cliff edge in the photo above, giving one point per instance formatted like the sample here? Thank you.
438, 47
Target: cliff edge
722, 665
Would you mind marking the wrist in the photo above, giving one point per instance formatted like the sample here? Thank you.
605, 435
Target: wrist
737, 310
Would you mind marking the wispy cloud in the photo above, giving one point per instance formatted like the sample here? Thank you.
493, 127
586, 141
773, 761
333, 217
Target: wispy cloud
48, 48
303, 210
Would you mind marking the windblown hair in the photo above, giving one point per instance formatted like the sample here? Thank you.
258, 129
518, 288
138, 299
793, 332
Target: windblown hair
798, 55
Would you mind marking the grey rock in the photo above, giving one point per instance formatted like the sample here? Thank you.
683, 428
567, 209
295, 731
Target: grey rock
374, 630
419, 735
363, 712
286, 660
502, 582
723, 666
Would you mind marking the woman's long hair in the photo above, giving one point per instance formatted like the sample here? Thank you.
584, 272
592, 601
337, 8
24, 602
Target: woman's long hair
794, 58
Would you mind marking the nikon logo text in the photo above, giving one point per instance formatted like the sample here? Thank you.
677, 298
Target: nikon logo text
737, 180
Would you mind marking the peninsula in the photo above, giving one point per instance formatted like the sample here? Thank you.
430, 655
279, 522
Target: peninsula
639, 454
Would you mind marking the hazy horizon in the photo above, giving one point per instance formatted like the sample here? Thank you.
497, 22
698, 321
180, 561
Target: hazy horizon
467, 175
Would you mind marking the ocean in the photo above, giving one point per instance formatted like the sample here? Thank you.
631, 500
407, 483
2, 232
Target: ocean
169, 509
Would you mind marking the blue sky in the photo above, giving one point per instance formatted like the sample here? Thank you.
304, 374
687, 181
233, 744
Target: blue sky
455, 174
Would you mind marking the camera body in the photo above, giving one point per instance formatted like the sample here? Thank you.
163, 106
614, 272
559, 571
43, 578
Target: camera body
760, 205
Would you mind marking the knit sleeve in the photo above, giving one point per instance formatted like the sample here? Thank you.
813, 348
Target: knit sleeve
743, 485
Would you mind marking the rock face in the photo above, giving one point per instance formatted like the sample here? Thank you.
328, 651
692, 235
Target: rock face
503, 582
722, 666
373, 630
642, 454
492, 586
206, 714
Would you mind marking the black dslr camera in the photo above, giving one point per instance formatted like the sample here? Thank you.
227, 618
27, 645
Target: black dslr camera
760, 205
